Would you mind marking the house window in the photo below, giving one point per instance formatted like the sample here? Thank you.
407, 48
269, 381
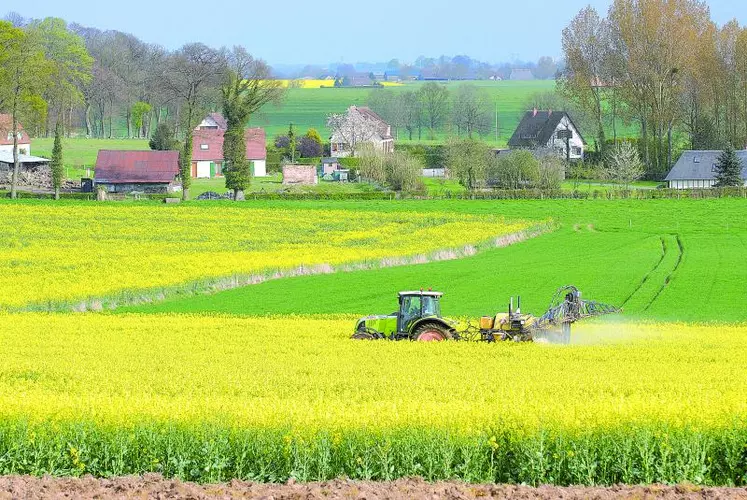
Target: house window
576, 150
204, 147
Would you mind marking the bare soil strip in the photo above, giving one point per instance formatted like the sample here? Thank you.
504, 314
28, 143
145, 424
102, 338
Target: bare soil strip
155, 486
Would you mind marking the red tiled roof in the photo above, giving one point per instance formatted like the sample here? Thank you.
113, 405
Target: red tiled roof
6, 132
256, 146
123, 167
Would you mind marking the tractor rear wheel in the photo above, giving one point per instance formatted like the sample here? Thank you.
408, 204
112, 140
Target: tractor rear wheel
431, 332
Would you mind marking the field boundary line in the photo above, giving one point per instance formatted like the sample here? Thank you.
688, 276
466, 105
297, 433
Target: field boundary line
209, 286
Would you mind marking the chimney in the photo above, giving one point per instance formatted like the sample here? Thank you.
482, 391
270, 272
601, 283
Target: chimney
549, 112
534, 112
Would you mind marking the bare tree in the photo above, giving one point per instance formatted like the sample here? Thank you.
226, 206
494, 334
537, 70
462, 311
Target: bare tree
471, 111
434, 99
192, 76
585, 80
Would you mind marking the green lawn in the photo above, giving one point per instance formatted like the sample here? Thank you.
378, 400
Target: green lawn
677, 260
79, 154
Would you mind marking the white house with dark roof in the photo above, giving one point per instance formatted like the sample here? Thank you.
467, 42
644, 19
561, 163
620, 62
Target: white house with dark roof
549, 130
697, 170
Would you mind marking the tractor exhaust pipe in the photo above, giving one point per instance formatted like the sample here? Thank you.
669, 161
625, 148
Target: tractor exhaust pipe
518, 305
510, 307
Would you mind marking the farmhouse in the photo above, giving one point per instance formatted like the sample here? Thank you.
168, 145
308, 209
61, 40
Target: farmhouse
142, 171
697, 170
553, 130
366, 127
6, 136
207, 148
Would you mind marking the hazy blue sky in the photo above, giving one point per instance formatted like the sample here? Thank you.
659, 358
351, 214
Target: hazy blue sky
308, 31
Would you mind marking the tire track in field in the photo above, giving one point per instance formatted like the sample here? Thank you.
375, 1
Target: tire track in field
648, 274
668, 279
658, 278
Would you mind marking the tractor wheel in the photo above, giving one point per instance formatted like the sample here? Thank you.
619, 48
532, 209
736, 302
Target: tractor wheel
431, 332
364, 335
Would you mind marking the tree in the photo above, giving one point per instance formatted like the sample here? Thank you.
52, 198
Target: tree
472, 110
623, 164
546, 68
163, 138
292, 144
518, 169
191, 75
70, 65
24, 73
729, 169
469, 160
352, 128
139, 111
399, 171
246, 88
56, 165
585, 46
434, 99
310, 145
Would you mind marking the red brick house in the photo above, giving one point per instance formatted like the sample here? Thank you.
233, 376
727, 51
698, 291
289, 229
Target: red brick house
207, 148
6, 137
145, 171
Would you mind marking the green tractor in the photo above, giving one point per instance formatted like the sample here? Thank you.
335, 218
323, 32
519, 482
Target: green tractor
419, 318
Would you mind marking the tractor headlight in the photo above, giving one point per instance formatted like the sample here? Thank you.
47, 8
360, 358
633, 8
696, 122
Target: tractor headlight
522, 321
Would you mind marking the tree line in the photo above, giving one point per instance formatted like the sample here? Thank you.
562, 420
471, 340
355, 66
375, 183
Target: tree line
664, 65
433, 108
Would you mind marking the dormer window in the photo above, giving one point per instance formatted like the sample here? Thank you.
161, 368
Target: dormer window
714, 168
204, 147
696, 159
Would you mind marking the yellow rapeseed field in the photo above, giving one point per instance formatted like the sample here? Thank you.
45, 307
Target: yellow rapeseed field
304, 372
64, 253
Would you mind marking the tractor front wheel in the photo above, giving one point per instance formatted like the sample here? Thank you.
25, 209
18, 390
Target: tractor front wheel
431, 332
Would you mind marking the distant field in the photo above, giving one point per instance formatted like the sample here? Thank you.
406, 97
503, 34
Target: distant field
309, 107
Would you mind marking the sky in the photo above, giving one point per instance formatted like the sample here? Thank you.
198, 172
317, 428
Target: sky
310, 32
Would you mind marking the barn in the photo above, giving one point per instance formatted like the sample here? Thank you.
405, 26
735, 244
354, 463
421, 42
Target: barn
137, 171
697, 170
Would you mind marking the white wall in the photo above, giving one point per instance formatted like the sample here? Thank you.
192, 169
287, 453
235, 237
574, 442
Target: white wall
576, 142
692, 184
21, 148
260, 168
203, 169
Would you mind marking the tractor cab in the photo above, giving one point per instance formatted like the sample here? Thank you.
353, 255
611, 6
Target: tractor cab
414, 306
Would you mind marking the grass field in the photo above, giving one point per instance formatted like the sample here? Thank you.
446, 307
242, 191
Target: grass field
262, 383
308, 108
651, 256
